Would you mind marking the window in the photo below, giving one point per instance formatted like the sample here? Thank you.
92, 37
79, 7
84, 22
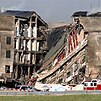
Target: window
0, 38
8, 40
60, 80
85, 84
7, 69
91, 84
8, 54
94, 84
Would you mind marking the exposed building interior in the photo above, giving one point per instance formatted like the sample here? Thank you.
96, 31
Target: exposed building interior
75, 52
28, 41
66, 53
66, 58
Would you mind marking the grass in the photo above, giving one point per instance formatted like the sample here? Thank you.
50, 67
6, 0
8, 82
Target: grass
52, 98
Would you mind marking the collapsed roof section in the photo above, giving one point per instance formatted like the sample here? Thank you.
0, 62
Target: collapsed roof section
56, 47
54, 36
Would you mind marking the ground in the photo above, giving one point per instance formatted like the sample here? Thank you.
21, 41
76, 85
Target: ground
52, 98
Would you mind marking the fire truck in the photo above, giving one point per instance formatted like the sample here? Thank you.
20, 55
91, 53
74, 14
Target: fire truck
94, 84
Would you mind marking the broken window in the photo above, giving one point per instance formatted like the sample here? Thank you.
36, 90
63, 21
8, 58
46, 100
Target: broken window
8, 40
14, 43
7, 69
60, 80
8, 54
21, 28
25, 32
53, 75
68, 74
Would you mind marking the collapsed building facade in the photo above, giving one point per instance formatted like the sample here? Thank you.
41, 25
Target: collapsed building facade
75, 52
74, 49
65, 61
22, 43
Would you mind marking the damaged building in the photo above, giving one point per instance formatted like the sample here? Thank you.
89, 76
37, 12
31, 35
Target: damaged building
22, 43
92, 26
65, 61
75, 52
66, 54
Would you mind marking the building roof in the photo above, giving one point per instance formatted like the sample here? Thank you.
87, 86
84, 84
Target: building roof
97, 14
80, 13
86, 14
23, 14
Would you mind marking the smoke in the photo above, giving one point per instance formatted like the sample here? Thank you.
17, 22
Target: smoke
94, 10
49, 10
95, 7
11, 5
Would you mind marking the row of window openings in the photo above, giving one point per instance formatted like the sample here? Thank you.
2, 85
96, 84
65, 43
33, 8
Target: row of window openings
91, 84
8, 54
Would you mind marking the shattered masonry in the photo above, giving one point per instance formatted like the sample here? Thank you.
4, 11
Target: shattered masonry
65, 59
76, 57
66, 54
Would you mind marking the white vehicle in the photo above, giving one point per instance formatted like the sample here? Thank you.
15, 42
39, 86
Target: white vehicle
59, 88
51, 87
41, 87
3, 88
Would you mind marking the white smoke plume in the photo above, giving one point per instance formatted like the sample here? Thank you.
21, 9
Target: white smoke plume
50, 10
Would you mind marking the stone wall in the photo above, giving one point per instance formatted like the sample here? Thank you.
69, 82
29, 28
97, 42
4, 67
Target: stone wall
7, 23
91, 23
6, 30
93, 54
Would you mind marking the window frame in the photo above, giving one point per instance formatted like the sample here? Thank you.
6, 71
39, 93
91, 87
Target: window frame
7, 68
8, 40
8, 55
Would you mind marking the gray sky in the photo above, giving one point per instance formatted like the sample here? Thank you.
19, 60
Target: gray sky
52, 10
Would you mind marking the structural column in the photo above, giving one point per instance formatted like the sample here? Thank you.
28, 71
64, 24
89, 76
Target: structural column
29, 45
17, 46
